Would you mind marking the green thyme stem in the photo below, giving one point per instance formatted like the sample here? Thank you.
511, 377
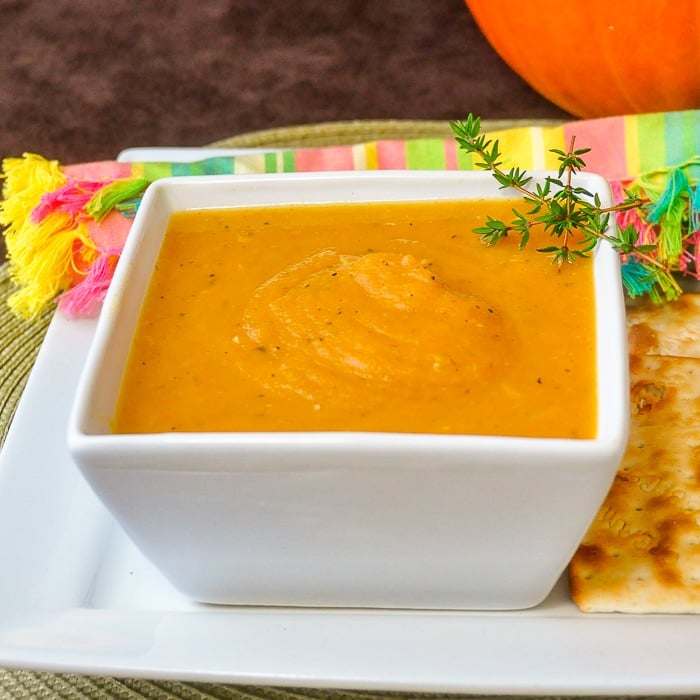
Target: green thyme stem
562, 208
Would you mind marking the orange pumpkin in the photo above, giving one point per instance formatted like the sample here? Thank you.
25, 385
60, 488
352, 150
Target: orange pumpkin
596, 58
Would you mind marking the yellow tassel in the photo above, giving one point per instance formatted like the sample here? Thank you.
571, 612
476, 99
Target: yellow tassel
41, 255
26, 179
40, 278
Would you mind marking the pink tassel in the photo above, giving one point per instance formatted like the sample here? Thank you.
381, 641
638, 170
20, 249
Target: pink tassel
689, 262
71, 199
646, 232
84, 298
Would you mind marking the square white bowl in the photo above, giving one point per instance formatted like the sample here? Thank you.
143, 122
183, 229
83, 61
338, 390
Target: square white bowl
345, 518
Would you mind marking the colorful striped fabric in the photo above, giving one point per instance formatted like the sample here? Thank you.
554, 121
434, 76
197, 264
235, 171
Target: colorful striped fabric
623, 149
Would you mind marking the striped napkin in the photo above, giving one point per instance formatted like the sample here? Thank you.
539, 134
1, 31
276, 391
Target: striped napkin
65, 225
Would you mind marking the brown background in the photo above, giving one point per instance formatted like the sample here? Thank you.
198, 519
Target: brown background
82, 79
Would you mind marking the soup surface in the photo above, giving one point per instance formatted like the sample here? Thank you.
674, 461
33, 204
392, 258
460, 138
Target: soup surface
370, 317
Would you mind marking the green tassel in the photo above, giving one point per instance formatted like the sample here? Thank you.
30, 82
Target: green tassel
670, 211
640, 279
110, 196
636, 278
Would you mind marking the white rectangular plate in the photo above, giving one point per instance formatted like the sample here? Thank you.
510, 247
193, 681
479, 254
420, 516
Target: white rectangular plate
76, 596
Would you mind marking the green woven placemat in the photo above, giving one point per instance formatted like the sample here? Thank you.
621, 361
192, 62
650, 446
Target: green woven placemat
18, 349
360, 131
24, 684
19, 345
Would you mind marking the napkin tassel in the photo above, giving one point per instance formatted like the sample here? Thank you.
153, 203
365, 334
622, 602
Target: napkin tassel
646, 232
84, 298
123, 195
669, 210
62, 243
668, 218
638, 281
690, 259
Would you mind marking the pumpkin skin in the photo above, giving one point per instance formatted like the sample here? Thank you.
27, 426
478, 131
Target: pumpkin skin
596, 58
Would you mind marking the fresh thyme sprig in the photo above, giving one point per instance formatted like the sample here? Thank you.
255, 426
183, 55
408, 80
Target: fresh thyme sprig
574, 217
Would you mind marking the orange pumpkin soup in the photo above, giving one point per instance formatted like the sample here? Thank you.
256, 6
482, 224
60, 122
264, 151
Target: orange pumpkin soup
369, 317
